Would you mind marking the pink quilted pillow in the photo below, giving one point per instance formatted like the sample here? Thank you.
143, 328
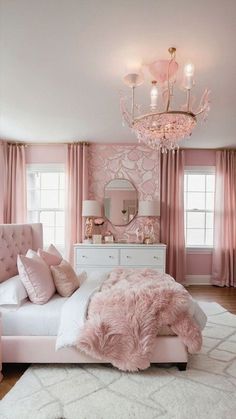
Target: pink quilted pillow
36, 277
65, 278
50, 258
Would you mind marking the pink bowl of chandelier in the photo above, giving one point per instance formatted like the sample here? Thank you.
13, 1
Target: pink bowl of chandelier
159, 70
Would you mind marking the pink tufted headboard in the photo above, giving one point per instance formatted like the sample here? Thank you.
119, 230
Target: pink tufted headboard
17, 239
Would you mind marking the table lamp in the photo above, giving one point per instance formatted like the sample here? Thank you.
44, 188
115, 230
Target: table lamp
148, 209
90, 209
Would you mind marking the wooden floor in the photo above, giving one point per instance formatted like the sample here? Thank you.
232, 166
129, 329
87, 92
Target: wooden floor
223, 296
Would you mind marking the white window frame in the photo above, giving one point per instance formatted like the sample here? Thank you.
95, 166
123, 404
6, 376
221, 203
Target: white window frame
44, 168
207, 170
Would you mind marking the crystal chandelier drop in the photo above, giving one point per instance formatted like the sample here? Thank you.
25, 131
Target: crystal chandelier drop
163, 127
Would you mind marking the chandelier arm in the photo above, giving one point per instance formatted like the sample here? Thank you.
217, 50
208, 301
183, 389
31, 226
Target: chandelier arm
132, 104
200, 112
188, 99
168, 82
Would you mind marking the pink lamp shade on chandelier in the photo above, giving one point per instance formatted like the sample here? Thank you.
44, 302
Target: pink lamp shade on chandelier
91, 208
149, 209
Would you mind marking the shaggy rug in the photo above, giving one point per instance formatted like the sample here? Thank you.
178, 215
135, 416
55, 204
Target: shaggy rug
206, 390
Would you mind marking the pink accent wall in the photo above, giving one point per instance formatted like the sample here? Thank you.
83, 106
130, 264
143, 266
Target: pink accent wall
137, 163
199, 263
200, 157
46, 154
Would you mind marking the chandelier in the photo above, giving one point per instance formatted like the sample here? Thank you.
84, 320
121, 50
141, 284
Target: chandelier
163, 127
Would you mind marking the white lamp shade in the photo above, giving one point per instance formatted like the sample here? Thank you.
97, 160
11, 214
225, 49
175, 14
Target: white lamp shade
91, 208
148, 209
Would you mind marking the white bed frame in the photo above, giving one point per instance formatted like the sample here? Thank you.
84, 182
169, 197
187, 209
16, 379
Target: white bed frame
18, 238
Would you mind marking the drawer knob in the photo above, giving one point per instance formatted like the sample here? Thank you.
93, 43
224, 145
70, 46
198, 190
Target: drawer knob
155, 257
111, 257
83, 256
128, 257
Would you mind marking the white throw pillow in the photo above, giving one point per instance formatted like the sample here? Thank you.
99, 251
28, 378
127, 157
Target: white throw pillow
12, 292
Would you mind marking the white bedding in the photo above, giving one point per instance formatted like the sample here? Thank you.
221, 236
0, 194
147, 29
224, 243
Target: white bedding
64, 317
33, 319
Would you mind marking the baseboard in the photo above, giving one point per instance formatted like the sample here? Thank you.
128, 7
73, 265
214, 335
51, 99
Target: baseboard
198, 280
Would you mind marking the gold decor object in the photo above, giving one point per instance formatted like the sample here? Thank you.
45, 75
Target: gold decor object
147, 240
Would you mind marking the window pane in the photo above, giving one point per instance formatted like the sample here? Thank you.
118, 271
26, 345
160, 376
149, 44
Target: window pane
47, 218
210, 200
33, 199
60, 235
209, 220
61, 199
60, 218
210, 183
195, 200
32, 217
185, 182
33, 180
46, 190
49, 180
185, 200
49, 199
62, 180
48, 235
209, 237
195, 237
196, 182
195, 219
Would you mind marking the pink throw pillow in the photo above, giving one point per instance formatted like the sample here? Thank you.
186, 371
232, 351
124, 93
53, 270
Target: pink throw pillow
53, 250
65, 279
49, 258
36, 277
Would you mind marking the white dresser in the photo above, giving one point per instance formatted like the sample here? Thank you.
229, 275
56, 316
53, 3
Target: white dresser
104, 257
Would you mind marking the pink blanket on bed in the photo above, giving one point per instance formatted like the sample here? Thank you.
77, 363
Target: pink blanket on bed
125, 316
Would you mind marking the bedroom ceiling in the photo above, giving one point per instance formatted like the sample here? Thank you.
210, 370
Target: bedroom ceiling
62, 64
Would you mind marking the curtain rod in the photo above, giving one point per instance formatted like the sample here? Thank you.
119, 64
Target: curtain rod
90, 143
46, 144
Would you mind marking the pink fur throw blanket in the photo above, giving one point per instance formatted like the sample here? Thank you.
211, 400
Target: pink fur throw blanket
124, 318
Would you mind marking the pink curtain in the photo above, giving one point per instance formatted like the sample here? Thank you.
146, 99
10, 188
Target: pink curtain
13, 183
77, 187
224, 254
3, 177
172, 212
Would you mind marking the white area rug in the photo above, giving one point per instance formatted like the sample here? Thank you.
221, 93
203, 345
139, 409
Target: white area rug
206, 390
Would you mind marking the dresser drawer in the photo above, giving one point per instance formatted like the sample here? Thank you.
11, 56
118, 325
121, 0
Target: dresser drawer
141, 257
99, 257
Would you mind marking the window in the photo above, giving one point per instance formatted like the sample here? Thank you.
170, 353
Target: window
46, 201
199, 191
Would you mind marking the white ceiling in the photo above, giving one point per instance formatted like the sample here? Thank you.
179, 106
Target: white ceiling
62, 62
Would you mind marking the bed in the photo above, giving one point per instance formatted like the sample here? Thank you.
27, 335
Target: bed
29, 333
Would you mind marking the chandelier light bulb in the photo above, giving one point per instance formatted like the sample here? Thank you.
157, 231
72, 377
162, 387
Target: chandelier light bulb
189, 70
154, 95
188, 76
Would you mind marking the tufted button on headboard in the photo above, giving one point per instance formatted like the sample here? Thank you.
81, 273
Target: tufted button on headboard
17, 239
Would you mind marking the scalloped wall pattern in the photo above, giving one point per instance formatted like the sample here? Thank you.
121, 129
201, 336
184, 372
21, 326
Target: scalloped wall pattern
139, 164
